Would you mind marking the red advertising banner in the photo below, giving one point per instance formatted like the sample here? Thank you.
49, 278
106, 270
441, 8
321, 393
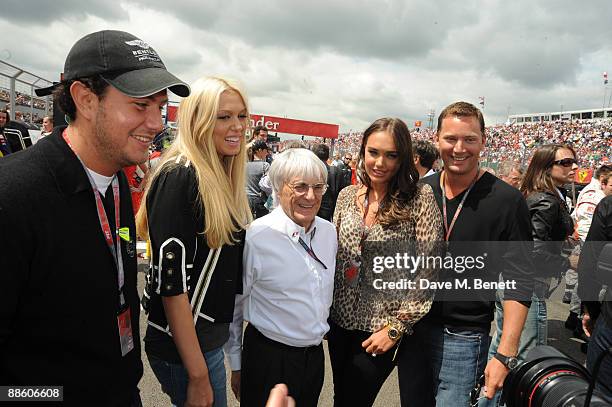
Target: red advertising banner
293, 126
282, 125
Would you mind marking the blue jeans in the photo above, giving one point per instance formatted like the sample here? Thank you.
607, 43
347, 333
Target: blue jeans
535, 333
174, 379
601, 341
442, 364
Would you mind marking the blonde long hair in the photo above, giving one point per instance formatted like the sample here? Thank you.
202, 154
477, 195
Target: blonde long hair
221, 183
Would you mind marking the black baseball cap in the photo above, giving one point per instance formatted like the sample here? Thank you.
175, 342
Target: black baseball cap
259, 145
124, 61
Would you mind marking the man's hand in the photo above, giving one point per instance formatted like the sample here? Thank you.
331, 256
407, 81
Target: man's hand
199, 393
495, 374
235, 382
378, 343
587, 324
279, 397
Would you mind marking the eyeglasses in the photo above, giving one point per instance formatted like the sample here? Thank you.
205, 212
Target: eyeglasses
566, 162
348, 158
301, 188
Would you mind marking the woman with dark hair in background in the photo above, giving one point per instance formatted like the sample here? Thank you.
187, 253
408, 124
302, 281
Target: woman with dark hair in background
551, 167
389, 207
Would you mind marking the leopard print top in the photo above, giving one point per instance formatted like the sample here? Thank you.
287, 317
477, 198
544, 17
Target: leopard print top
357, 304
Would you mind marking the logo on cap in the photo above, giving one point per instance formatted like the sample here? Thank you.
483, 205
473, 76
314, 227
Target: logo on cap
139, 43
146, 53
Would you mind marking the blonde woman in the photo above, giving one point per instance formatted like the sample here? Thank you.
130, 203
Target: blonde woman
195, 214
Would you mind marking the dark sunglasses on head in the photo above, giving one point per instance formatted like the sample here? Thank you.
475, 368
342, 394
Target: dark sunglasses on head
566, 162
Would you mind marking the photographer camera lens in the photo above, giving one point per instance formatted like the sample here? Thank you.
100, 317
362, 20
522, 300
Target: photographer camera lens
548, 378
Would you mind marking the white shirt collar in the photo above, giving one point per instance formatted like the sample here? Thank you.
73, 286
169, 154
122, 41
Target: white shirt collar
289, 227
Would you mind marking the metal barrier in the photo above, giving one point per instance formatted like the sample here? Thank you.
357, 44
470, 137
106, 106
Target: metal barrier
16, 80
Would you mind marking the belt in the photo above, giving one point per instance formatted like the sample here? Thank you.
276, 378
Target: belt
301, 349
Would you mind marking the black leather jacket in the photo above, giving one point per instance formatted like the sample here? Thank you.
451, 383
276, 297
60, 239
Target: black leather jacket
551, 225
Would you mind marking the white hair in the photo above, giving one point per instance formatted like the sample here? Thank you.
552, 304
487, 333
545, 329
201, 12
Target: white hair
296, 162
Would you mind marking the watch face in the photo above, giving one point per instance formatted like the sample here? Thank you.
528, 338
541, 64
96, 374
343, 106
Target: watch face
512, 363
393, 333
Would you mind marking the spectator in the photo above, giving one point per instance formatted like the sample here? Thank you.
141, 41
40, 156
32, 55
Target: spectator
335, 183
195, 209
597, 320
47, 126
366, 324
256, 169
287, 289
511, 173
69, 309
425, 154
447, 354
15, 133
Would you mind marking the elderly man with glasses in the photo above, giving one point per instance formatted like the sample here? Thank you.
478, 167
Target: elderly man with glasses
289, 263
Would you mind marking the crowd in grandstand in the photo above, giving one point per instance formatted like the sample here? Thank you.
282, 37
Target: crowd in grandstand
21, 99
592, 140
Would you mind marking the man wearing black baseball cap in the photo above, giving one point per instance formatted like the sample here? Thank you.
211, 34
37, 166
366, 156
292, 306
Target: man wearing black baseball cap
69, 308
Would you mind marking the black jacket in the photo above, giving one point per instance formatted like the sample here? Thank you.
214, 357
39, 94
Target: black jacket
58, 280
182, 261
551, 225
335, 182
589, 279
17, 136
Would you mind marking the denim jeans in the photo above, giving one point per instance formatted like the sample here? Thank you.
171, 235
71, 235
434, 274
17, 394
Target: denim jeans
535, 333
601, 341
441, 363
174, 379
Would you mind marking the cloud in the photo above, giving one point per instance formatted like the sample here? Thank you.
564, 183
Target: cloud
391, 29
40, 13
348, 62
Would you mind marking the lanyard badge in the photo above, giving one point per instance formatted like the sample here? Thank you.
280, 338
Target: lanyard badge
124, 321
126, 339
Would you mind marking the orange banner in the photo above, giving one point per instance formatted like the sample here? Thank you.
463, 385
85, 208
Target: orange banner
583, 175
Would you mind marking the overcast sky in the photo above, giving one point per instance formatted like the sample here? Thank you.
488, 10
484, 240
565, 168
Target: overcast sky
348, 62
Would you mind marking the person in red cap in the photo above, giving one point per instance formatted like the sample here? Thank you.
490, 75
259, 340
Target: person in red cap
69, 308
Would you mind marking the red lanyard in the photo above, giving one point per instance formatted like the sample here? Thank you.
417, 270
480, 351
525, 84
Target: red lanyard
448, 229
114, 247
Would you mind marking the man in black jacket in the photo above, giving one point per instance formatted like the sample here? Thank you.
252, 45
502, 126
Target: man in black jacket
335, 181
69, 308
597, 317
444, 358
15, 133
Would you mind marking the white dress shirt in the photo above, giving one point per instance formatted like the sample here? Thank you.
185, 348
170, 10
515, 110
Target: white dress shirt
286, 293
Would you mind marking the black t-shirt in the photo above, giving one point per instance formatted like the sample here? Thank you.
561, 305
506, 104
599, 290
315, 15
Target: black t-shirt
493, 211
